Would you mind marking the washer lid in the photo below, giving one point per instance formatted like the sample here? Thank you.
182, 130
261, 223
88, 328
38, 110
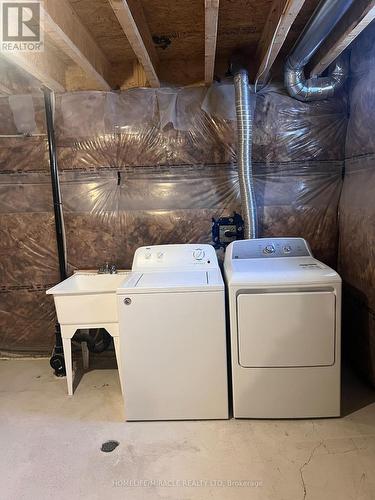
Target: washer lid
173, 281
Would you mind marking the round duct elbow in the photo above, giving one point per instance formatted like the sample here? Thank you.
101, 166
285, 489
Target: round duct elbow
317, 88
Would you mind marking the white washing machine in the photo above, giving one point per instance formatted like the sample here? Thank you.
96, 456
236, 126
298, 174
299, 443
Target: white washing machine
173, 336
285, 312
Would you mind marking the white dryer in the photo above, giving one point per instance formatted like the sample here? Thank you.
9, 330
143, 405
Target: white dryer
285, 312
173, 336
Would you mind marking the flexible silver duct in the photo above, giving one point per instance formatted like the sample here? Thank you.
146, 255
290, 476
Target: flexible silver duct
245, 105
324, 19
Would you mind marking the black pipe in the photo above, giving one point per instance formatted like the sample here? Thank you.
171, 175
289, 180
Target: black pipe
57, 358
60, 236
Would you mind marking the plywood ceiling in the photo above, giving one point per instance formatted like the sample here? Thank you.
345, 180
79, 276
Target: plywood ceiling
181, 22
240, 26
104, 44
99, 18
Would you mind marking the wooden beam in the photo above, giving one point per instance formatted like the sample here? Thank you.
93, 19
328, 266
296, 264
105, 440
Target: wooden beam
4, 90
69, 34
351, 25
211, 16
44, 66
134, 76
280, 19
125, 75
133, 22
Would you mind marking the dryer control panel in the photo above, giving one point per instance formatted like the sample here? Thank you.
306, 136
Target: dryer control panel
185, 256
265, 248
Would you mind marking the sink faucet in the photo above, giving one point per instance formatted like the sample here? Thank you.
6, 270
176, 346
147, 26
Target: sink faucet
107, 269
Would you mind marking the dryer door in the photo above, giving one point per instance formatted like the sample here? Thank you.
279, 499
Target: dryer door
286, 329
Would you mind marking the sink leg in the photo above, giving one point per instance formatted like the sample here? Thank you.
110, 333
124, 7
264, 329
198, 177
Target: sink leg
85, 355
116, 342
67, 345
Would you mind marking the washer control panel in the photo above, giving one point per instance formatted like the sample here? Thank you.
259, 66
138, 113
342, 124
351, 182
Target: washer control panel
262, 248
174, 256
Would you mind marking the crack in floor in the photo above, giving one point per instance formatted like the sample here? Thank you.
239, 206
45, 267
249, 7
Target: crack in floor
305, 465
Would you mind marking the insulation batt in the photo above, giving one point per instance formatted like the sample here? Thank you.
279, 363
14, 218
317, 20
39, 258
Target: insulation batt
148, 166
357, 209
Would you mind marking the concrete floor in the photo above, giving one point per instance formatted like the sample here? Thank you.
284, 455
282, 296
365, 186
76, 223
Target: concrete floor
50, 447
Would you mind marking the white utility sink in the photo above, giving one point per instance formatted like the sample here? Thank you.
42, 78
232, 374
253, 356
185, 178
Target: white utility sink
87, 298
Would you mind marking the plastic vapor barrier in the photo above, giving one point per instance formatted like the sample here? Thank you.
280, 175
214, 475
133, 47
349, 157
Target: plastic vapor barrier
357, 209
149, 166
28, 263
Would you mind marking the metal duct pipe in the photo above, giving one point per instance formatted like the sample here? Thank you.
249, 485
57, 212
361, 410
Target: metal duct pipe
245, 105
324, 19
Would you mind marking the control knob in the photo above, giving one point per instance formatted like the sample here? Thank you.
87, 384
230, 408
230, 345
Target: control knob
198, 254
269, 249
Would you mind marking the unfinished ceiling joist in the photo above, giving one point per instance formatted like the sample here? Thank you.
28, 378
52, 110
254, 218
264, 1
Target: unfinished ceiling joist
73, 39
4, 90
133, 22
280, 19
211, 14
67, 32
44, 66
352, 24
